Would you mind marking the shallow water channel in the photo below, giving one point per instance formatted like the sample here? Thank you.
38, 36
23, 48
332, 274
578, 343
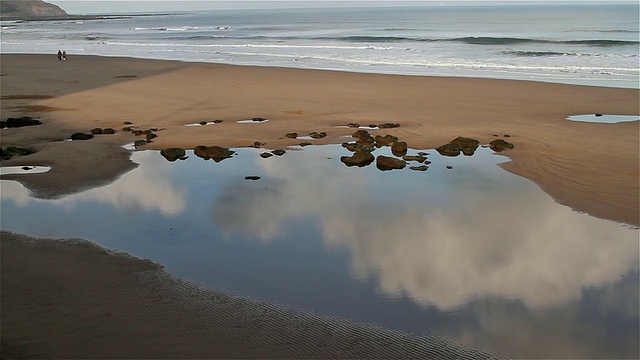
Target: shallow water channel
472, 253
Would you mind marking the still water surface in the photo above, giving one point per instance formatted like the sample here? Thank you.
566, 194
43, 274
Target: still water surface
473, 253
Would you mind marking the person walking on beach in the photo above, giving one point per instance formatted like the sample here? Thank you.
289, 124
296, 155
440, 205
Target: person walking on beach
64, 55
59, 55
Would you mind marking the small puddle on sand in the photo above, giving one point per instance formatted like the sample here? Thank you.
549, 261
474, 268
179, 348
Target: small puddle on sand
604, 118
12, 170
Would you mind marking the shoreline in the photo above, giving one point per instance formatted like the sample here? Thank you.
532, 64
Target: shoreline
589, 167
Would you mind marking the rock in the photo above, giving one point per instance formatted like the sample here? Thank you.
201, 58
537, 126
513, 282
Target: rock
258, 119
467, 146
358, 134
138, 132
96, 131
217, 121
173, 154
108, 131
385, 140
9, 152
507, 135
388, 125
291, 135
265, 155
399, 148
127, 128
423, 153
499, 145
598, 115
3, 124
317, 135
203, 123
150, 136
26, 168
303, 144
21, 121
449, 167
252, 177
278, 152
359, 158
81, 136
419, 159
139, 143
353, 125
419, 168
127, 123
357, 146
373, 126
389, 163
216, 153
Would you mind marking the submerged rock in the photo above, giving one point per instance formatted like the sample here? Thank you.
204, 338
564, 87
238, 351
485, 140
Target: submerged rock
173, 154
359, 158
419, 168
467, 146
419, 159
389, 163
499, 145
216, 153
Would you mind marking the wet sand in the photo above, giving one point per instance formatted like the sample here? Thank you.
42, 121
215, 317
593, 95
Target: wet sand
64, 298
71, 298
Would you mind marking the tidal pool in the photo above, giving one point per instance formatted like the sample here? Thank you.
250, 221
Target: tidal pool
472, 253
604, 118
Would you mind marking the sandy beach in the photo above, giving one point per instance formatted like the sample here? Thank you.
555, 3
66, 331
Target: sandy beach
590, 167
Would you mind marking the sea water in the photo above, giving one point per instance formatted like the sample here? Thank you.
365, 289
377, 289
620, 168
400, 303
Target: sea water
471, 252
594, 44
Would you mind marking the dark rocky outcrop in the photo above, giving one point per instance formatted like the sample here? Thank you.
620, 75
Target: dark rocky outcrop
303, 144
278, 152
318, 135
291, 135
81, 136
388, 125
252, 177
96, 131
19, 122
359, 158
399, 148
389, 163
216, 153
173, 154
11, 151
265, 155
467, 146
357, 146
139, 143
499, 145
108, 131
258, 119
353, 125
29, 9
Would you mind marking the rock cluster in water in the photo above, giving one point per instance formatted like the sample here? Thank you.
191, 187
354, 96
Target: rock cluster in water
19, 122
465, 145
365, 144
173, 154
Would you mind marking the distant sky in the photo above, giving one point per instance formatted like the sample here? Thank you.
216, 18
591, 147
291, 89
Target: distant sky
123, 6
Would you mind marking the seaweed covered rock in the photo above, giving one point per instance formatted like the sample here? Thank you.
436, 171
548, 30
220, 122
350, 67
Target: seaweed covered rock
216, 153
357, 146
499, 145
81, 136
11, 151
20, 122
399, 148
385, 140
467, 146
389, 163
173, 154
359, 158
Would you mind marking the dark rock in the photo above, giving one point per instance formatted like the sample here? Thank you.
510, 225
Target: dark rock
507, 135
138, 132
127, 128
357, 146
359, 158
96, 131
359, 133
303, 144
216, 153
467, 146
278, 152
291, 135
257, 144
26, 168
449, 167
385, 140
150, 136
598, 115
265, 155
127, 123
399, 148
499, 145
21, 121
353, 125
217, 121
389, 163
373, 125
318, 135
81, 136
419, 159
388, 125
3, 124
203, 123
108, 131
419, 168
423, 153
173, 154
9, 152
258, 119
139, 143
252, 177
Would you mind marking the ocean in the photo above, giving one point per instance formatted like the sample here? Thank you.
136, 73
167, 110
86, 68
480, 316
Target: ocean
561, 42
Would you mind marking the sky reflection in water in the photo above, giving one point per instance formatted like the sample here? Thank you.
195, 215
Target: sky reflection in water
473, 253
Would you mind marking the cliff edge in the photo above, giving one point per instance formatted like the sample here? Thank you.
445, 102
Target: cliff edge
29, 9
